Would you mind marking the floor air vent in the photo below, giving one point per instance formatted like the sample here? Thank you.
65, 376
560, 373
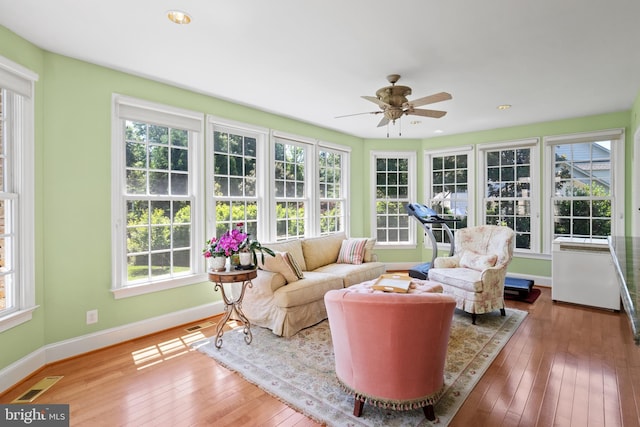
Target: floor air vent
200, 326
37, 389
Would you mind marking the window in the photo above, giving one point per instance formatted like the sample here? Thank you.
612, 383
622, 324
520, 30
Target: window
449, 175
510, 193
582, 184
332, 180
17, 248
393, 186
155, 209
291, 173
280, 188
238, 160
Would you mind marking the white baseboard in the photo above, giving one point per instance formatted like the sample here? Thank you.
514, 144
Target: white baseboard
17, 371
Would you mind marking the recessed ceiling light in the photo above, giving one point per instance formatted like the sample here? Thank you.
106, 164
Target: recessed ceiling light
504, 106
178, 17
438, 131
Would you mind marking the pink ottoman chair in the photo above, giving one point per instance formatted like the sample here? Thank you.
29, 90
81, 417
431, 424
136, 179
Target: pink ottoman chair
390, 348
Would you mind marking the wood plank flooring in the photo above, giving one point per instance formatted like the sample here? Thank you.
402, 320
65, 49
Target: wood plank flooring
565, 366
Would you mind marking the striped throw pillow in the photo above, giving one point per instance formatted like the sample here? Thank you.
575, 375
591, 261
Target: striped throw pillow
294, 265
352, 251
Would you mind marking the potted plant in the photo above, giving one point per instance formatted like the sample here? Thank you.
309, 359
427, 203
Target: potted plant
215, 254
227, 245
253, 247
234, 244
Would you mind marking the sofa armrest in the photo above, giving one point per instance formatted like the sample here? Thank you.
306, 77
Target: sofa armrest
267, 282
447, 262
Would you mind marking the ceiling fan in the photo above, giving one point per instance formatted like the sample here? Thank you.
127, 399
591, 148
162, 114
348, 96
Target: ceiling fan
393, 102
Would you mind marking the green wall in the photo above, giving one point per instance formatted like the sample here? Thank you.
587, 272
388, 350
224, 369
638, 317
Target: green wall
72, 138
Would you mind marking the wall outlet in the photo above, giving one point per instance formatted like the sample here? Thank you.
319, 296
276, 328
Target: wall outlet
92, 317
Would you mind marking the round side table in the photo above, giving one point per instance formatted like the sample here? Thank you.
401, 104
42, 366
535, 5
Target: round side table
233, 304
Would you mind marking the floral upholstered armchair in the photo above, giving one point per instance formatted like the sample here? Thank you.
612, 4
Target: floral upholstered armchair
475, 274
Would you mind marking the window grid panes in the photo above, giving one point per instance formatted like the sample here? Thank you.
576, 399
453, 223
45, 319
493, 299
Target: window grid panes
508, 192
157, 202
290, 191
449, 192
392, 189
235, 173
331, 191
582, 199
7, 273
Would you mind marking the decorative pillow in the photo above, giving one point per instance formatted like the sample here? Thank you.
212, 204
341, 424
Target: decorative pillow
368, 250
476, 261
352, 251
320, 251
278, 264
294, 265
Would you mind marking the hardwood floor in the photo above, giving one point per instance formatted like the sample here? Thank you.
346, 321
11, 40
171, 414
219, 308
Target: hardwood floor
565, 366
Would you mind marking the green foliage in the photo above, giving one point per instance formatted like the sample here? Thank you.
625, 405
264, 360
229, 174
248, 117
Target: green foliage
156, 233
582, 214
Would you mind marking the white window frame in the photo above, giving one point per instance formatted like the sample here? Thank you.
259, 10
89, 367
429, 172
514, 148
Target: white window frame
19, 88
534, 145
265, 174
411, 157
126, 108
345, 154
261, 135
471, 185
311, 214
617, 137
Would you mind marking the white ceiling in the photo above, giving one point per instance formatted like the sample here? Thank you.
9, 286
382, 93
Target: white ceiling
313, 60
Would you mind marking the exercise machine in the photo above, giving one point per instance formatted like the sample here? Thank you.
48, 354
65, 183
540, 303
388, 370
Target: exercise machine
426, 217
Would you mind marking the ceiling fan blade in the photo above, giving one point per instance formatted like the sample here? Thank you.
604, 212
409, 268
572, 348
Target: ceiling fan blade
383, 122
436, 114
437, 97
375, 100
358, 114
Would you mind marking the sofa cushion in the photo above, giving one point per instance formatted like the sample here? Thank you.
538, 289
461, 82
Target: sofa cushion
304, 291
293, 247
352, 274
279, 264
476, 261
463, 278
352, 251
319, 251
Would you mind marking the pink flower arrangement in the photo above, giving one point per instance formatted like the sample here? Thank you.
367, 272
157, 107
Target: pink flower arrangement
227, 244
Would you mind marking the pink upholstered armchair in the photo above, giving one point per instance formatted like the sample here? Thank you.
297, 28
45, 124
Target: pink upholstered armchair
475, 274
390, 348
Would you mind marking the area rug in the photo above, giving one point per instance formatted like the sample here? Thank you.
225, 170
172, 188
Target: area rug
300, 370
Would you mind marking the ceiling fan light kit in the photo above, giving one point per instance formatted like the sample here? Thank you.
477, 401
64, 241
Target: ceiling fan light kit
394, 104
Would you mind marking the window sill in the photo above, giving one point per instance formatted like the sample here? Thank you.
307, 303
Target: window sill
14, 319
147, 288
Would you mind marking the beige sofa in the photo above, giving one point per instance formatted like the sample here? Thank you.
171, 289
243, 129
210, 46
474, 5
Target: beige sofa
286, 307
